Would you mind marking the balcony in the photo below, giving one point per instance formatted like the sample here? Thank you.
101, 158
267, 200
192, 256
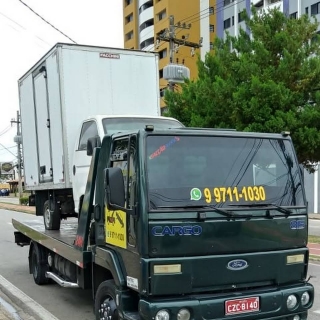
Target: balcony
146, 15
146, 33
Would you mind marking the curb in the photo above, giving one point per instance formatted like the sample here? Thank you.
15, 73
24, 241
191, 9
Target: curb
16, 207
24, 304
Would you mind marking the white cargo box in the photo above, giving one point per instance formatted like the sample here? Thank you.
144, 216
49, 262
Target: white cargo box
69, 84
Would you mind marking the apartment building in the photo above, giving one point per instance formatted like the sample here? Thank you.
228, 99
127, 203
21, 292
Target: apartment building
144, 20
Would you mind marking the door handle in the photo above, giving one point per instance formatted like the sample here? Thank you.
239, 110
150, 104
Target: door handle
74, 169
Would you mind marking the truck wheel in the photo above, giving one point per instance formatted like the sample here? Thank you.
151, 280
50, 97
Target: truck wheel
51, 215
38, 267
105, 302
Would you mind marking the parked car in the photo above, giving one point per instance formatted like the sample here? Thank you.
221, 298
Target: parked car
4, 192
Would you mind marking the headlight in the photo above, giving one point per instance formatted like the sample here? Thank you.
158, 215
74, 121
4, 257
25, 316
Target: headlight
162, 315
305, 298
296, 317
183, 314
291, 301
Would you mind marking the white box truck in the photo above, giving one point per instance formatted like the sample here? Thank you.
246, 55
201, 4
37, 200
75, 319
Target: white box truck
73, 94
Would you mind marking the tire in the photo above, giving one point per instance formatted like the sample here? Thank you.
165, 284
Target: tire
51, 215
38, 266
105, 302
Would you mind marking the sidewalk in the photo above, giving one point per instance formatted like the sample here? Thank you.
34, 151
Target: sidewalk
16, 207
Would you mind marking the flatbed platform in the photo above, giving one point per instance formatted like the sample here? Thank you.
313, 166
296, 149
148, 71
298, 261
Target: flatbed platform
59, 241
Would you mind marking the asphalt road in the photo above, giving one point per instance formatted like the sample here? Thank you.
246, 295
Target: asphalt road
71, 303
314, 228
61, 302
314, 271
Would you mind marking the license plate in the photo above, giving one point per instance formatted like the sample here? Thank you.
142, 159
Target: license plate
242, 305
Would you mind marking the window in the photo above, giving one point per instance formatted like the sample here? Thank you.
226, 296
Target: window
162, 92
293, 15
316, 37
129, 35
146, 43
124, 156
307, 10
89, 130
161, 73
315, 8
226, 2
163, 53
211, 27
227, 23
211, 10
233, 20
128, 2
240, 17
259, 4
162, 15
129, 18
267, 166
211, 45
146, 6
146, 24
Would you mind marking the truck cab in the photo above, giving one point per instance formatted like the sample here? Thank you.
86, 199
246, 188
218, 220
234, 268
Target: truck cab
206, 224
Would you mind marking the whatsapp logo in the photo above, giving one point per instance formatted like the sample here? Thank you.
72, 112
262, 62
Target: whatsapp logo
195, 194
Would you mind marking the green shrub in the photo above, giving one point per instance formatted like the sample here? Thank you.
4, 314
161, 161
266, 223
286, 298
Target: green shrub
24, 201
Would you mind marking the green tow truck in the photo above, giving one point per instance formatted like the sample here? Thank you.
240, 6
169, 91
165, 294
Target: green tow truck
184, 224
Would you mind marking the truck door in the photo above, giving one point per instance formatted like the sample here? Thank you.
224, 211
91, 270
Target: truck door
121, 228
42, 125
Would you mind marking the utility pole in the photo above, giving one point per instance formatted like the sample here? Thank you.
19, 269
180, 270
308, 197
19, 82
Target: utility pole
18, 140
175, 73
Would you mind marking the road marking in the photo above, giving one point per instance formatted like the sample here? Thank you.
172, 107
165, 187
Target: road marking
317, 311
30, 304
10, 223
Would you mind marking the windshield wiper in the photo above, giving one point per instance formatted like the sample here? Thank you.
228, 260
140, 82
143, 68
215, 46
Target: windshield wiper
268, 205
223, 212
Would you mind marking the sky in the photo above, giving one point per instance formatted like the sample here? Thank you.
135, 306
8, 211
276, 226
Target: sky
25, 38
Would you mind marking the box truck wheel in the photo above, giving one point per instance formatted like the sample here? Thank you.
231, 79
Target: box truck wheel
51, 215
38, 265
105, 302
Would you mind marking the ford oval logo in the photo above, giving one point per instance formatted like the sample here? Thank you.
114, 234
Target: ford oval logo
238, 264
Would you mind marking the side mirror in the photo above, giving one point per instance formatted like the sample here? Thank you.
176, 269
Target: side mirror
92, 143
114, 186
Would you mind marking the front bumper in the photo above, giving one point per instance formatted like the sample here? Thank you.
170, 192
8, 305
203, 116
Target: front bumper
272, 304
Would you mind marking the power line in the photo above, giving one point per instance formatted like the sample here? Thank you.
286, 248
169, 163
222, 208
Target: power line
217, 9
46, 21
220, 10
5, 131
8, 148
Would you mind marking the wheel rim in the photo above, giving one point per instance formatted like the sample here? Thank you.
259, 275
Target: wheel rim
35, 265
47, 217
108, 309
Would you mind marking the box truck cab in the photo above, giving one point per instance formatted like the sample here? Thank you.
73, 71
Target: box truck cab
93, 129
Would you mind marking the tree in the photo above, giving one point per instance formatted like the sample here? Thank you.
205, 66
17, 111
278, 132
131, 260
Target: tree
266, 82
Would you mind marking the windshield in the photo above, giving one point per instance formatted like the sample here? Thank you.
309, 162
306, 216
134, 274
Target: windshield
113, 125
221, 171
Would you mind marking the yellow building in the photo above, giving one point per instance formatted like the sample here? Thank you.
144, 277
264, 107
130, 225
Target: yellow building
144, 20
